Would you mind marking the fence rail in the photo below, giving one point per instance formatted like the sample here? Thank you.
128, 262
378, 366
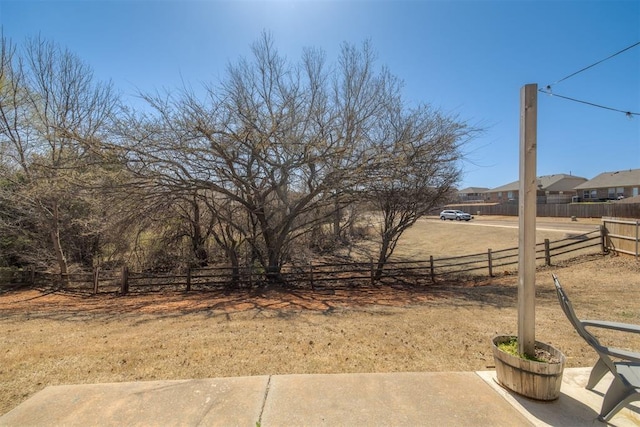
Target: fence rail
318, 275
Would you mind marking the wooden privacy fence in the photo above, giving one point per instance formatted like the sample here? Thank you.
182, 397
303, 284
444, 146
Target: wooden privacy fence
557, 210
326, 275
622, 235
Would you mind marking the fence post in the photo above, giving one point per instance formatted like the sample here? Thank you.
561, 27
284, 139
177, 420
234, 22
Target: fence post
124, 280
603, 239
547, 253
250, 275
432, 269
637, 225
372, 272
96, 273
188, 279
32, 274
490, 259
311, 274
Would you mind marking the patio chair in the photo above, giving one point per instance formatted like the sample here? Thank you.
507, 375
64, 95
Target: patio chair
625, 387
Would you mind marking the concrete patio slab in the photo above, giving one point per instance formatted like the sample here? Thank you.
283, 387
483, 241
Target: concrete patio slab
389, 399
576, 405
210, 402
394, 399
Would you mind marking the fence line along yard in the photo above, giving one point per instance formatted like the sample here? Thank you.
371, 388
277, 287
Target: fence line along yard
315, 276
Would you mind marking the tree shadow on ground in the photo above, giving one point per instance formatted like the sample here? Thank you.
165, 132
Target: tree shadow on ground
77, 304
283, 301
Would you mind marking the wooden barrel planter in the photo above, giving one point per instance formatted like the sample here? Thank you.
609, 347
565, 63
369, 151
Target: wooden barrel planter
529, 378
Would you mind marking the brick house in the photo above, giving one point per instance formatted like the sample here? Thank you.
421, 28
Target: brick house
472, 194
557, 188
610, 186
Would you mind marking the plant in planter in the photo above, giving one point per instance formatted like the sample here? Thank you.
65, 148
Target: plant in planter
537, 377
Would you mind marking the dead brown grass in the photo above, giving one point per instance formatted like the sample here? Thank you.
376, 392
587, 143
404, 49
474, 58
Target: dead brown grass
57, 337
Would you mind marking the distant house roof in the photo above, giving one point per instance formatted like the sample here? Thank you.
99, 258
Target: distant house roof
512, 186
556, 182
561, 182
471, 190
624, 178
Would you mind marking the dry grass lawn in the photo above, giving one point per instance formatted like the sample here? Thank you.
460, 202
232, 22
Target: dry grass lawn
57, 337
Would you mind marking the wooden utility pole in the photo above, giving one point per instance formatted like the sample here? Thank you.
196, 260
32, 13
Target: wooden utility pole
527, 199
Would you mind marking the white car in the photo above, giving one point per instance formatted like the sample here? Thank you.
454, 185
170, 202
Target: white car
455, 214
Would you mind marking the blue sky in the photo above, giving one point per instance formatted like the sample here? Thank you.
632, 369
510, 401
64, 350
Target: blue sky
468, 58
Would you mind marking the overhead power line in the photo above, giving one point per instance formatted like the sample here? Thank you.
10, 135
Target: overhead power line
594, 64
627, 113
548, 91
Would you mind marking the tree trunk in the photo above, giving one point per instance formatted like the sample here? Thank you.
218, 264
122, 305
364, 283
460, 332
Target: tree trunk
57, 246
232, 254
197, 239
274, 269
382, 259
336, 220
273, 246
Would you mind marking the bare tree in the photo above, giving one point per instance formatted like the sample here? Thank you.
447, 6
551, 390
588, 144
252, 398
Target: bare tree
422, 148
262, 141
289, 147
52, 114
